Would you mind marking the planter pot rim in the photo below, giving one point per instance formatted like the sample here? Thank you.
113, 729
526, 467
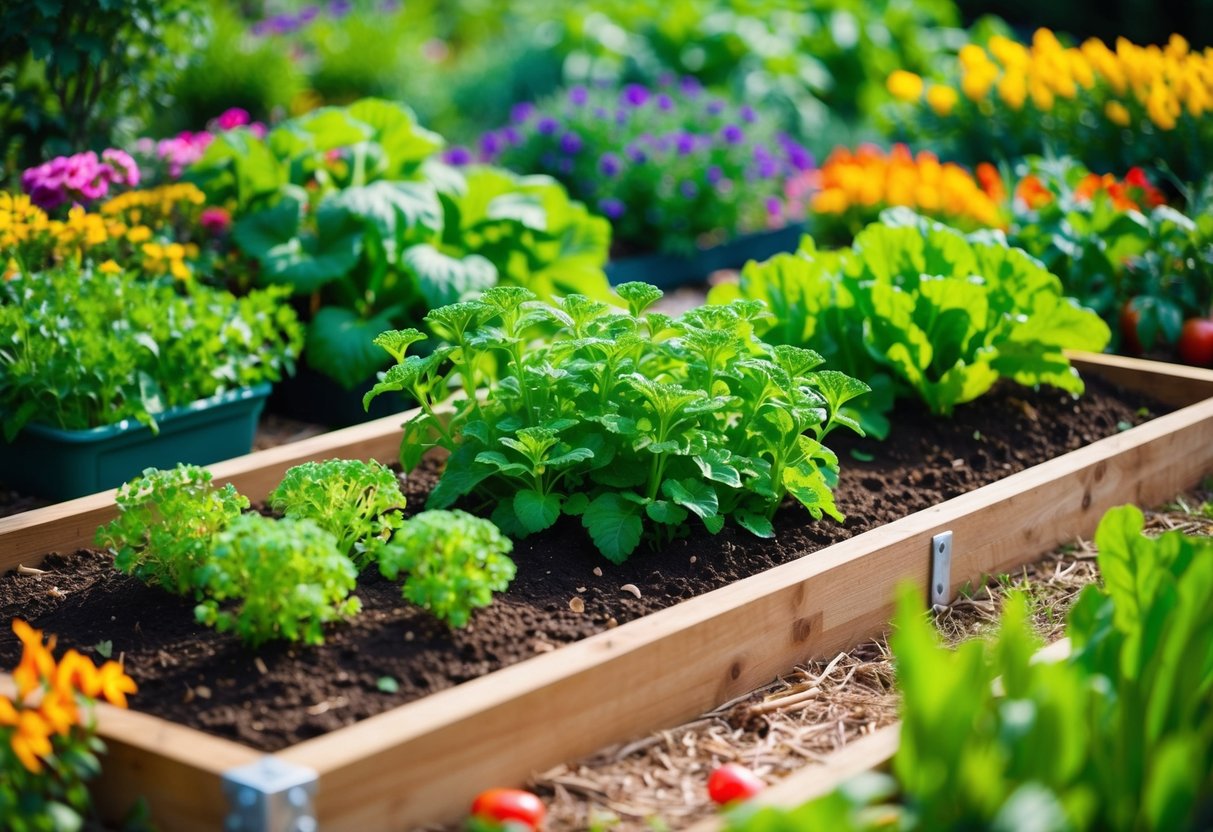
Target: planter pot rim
164, 418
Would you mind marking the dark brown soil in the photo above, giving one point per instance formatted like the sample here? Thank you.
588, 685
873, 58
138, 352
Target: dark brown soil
191, 675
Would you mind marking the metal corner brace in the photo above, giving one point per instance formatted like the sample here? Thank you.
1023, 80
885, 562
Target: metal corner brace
270, 795
941, 570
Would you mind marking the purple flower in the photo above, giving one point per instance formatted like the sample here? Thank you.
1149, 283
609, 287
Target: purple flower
390, 6
511, 135
774, 207
688, 189
684, 144
665, 103
715, 174
665, 79
768, 168
308, 14
732, 134
600, 112
546, 126
715, 107
340, 8
690, 86
521, 113
799, 157
283, 24
457, 156
747, 114
260, 29
636, 154
634, 95
571, 143
610, 165
578, 95
611, 208
490, 145
621, 117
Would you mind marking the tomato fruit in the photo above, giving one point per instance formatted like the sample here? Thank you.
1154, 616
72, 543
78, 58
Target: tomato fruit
505, 805
1196, 342
1130, 319
733, 782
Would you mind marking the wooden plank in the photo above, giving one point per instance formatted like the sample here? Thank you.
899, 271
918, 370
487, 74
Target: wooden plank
69, 526
869, 753
1172, 384
425, 760
176, 769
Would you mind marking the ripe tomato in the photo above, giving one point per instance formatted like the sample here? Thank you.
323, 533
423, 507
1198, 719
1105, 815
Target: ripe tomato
1130, 318
1196, 342
733, 782
505, 805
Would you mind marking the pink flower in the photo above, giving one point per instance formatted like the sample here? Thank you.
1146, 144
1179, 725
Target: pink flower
232, 118
215, 221
78, 178
122, 166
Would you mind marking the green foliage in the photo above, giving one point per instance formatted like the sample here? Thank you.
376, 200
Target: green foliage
350, 206
63, 84
357, 502
1107, 255
631, 420
285, 579
453, 562
55, 799
940, 315
1118, 736
166, 523
84, 349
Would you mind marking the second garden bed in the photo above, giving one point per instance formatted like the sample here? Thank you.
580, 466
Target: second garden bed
671, 664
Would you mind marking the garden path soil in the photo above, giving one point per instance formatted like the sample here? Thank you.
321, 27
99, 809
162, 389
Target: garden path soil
286, 694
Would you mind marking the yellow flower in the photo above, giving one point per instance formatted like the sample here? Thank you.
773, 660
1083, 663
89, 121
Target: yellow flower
905, 86
941, 99
1042, 96
1013, 90
139, 234
114, 684
1117, 113
109, 267
977, 81
830, 201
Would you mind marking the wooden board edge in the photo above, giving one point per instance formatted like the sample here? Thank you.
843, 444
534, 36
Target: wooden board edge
1175, 384
538, 713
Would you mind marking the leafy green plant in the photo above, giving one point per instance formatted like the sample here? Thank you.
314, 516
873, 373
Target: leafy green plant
357, 502
631, 420
84, 349
453, 562
166, 523
1118, 736
284, 578
350, 208
918, 308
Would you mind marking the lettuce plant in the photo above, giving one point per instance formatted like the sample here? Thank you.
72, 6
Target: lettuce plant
276, 579
1118, 736
452, 560
920, 309
166, 524
631, 420
84, 349
351, 209
357, 502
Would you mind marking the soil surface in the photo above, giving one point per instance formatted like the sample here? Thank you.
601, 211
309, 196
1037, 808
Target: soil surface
288, 693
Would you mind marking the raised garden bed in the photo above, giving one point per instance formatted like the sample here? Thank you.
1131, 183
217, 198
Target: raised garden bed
669, 271
422, 761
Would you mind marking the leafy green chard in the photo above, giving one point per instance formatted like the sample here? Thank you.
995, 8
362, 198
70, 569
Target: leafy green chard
1117, 736
631, 420
358, 502
452, 561
166, 522
921, 309
284, 579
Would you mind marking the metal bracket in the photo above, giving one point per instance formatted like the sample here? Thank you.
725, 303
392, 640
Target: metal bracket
941, 569
270, 795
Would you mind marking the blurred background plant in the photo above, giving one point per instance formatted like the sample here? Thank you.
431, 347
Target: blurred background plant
79, 75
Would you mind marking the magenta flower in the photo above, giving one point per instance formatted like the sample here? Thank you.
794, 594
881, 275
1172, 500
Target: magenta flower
79, 178
215, 221
232, 118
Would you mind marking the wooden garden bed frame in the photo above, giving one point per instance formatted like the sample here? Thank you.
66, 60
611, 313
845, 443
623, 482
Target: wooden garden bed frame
423, 761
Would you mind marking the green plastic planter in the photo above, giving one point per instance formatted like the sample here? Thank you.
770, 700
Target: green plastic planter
669, 271
63, 464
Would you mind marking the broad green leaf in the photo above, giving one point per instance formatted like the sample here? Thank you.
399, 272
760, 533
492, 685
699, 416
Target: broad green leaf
696, 495
536, 511
614, 525
341, 345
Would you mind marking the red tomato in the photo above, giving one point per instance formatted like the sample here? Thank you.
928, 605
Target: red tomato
1130, 317
505, 805
1196, 342
733, 782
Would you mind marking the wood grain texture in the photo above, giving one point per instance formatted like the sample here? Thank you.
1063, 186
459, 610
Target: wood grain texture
424, 761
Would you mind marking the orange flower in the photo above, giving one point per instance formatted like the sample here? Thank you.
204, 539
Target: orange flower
1032, 192
77, 673
58, 709
991, 182
37, 663
31, 740
115, 684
